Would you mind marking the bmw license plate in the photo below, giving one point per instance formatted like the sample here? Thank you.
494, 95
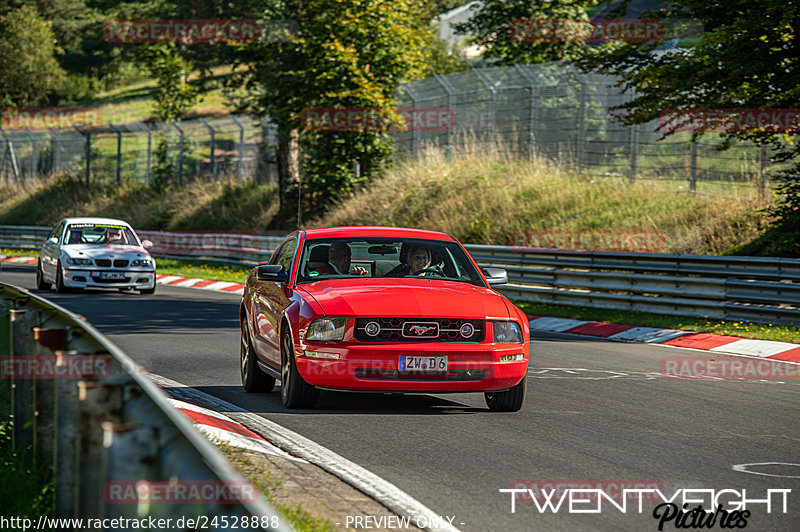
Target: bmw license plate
423, 363
110, 275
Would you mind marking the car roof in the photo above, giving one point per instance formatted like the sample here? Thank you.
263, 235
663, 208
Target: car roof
375, 231
95, 220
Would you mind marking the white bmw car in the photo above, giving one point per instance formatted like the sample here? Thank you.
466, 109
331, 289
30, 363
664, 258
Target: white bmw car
95, 253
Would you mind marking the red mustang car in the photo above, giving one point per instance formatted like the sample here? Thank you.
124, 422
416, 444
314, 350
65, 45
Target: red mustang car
380, 309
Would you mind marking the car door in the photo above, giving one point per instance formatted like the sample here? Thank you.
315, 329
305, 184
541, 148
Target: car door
52, 251
271, 299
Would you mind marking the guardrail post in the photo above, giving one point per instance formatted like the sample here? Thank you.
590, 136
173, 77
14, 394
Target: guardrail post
240, 166
5, 353
66, 479
97, 403
48, 341
130, 455
23, 390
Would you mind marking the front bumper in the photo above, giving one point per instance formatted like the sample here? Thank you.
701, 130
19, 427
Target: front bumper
98, 278
374, 367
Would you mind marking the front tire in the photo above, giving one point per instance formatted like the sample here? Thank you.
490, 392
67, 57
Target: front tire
60, 287
253, 379
508, 401
40, 282
295, 391
148, 291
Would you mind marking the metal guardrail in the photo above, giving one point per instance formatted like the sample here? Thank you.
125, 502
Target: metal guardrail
78, 402
760, 289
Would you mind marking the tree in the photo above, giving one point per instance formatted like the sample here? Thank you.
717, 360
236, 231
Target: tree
346, 53
748, 58
28, 70
501, 27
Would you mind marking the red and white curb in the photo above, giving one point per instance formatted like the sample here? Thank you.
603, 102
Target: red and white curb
725, 345
205, 284
220, 427
18, 260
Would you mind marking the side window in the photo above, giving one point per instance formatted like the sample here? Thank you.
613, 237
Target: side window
56, 232
285, 253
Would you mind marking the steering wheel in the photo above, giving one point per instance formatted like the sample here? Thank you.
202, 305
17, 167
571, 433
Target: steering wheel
429, 270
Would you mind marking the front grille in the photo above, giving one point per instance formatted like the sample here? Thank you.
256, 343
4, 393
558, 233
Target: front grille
111, 281
120, 263
403, 330
103, 263
395, 374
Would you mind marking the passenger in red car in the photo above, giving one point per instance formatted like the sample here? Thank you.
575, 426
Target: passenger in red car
413, 259
339, 261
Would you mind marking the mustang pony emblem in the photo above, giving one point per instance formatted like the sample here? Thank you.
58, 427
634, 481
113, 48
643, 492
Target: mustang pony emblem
420, 330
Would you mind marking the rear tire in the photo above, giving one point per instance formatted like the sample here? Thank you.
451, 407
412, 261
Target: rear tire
40, 282
508, 401
253, 379
295, 391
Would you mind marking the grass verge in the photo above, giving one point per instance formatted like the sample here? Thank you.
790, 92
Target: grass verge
25, 489
743, 329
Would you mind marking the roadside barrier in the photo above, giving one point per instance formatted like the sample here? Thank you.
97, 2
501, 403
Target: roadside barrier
759, 289
118, 449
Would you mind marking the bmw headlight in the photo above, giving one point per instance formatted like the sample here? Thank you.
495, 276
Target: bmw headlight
142, 263
507, 332
79, 262
326, 329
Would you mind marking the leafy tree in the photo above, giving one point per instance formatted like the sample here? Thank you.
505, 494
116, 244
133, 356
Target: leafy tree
748, 58
28, 70
493, 27
174, 94
347, 53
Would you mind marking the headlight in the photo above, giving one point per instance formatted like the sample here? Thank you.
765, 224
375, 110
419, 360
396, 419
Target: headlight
326, 329
507, 332
83, 262
142, 262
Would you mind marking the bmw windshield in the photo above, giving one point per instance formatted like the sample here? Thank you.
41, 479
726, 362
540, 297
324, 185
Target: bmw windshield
100, 234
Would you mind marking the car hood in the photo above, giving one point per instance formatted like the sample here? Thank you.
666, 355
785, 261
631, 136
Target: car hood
92, 251
406, 298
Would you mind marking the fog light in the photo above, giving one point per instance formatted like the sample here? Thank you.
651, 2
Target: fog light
318, 354
511, 358
372, 329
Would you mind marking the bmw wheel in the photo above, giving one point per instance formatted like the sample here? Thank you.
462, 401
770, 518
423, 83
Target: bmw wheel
60, 287
253, 379
295, 391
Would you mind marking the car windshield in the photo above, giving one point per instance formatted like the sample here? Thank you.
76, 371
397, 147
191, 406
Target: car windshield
385, 257
100, 234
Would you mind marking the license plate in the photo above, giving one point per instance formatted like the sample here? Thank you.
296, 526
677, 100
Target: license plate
110, 275
423, 363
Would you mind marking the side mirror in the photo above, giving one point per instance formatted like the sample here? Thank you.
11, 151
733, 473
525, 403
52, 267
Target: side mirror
147, 244
495, 275
53, 240
272, 272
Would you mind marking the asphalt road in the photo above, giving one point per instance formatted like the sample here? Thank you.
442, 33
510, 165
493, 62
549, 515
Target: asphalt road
605, 416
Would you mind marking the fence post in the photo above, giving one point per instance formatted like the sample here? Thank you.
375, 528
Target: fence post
116, 130
211, 144
88, 153
66, 479
490, 86
180, 154
23, 395
240, 166
693, 165
451, 103
11, 155
762, 171
533, 89
34, 161
48, 341
56, 148
634, 152
414, 132
146, 129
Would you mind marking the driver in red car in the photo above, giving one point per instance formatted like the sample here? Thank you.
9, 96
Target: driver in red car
339, 261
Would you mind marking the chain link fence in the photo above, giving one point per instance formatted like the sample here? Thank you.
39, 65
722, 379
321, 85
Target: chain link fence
228, 148
554, 111
547, 110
